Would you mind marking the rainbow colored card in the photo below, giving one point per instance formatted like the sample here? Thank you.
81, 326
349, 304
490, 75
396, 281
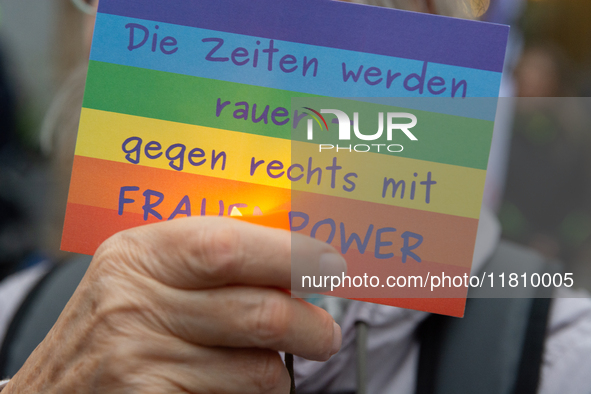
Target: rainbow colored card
199, 107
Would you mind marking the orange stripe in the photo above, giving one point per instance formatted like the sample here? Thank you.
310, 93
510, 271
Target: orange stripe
97, 182
447, 239
87, 227
278, 220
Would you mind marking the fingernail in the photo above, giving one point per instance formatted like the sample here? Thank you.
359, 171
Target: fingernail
337, 338
332, 264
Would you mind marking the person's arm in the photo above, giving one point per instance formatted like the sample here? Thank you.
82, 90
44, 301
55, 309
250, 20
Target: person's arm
186, 306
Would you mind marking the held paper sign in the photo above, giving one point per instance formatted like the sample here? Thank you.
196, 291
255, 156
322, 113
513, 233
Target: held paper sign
188, 111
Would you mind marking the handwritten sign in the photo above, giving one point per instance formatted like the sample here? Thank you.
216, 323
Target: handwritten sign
198, 107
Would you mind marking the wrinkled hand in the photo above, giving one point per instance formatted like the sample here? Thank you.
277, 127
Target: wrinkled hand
188, 306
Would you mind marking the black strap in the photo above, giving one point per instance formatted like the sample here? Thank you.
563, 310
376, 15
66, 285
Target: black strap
434, 330
430, 335
497, 348
39, 312
18, 318
528, 377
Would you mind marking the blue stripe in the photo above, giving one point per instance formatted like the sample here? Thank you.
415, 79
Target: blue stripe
335, 24
483, 108
112, 39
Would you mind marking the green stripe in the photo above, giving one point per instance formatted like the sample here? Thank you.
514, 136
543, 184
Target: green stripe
186, 99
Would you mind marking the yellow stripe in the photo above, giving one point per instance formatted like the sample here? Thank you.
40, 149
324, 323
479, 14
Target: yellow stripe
458, 190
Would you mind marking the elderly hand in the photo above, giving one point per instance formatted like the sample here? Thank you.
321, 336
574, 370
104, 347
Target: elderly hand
188, 306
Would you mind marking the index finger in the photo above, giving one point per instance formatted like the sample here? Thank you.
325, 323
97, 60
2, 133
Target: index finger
207, 252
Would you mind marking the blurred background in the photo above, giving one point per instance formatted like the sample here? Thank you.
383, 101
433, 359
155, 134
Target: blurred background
541, 189
41, 43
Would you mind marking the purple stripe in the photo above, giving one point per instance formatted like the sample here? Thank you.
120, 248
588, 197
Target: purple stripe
334, 24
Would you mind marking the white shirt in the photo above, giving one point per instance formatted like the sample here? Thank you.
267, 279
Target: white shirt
567, 358
566, 364
13, 291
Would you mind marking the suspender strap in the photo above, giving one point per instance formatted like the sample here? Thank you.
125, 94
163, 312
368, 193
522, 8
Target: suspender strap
39, 312
533, 350
497, 347
431, 334
15, 323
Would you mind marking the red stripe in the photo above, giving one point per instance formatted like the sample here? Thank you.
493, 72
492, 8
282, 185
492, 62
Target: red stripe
447, 239
86, 228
